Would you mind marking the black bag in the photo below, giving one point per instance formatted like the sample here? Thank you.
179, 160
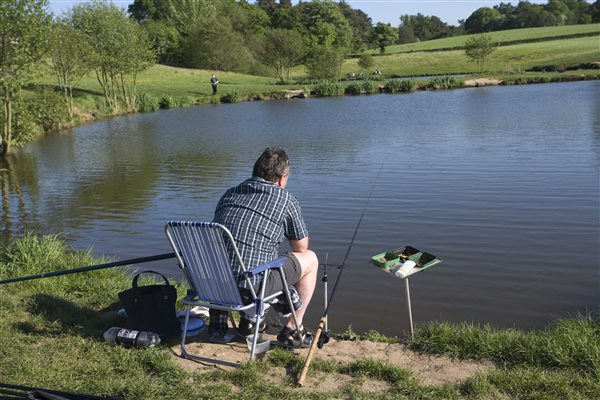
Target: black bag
151, 308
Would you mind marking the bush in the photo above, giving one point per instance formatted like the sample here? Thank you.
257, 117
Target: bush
233, 96
49, 109
24, 127
147, 103
364, 87
327, 89
369, 86
353, 89
401, 86
176, 102
443, 82
366, 61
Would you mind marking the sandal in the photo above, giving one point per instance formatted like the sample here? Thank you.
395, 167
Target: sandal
289, 337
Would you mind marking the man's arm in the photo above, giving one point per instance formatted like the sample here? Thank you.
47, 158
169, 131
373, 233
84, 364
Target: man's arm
299, 246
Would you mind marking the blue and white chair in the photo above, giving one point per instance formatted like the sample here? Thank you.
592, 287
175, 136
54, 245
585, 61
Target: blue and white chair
201, 249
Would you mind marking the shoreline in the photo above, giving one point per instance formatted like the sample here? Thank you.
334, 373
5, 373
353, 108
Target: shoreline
84, 117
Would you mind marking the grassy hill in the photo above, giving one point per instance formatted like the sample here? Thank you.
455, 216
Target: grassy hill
510, 58
501, 37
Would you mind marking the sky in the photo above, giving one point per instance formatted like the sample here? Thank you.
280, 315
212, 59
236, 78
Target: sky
388, 11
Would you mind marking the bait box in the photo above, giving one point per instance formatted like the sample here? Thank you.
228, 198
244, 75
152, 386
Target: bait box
385, 260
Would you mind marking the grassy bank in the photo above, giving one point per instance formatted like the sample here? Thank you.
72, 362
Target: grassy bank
50, 337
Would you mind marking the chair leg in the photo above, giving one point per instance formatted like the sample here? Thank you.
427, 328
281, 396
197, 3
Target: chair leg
186, 355
286, 290
184, 332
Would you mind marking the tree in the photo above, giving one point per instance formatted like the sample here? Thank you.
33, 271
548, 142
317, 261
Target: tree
361, 25
324, 62
366, 61
283, 49
484, 19
325, 25
188, 15
422, 27
383, 35
478, 48
120, 50
69, 50
24, 26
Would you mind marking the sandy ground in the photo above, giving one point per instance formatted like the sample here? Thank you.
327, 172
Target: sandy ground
483, 82
431, 370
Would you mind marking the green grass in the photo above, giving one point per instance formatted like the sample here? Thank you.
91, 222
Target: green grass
514, 58
501, 37
50, 337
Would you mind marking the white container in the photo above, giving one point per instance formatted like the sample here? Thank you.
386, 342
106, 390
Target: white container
262, 344
404, 269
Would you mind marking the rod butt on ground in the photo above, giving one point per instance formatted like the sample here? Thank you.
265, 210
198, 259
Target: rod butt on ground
311, 353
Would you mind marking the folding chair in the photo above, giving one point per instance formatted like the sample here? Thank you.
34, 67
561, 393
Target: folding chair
202, 253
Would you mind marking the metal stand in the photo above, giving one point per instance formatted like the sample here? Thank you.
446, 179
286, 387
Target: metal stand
410, 318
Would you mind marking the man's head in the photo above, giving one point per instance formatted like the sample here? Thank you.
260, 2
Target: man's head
273, 166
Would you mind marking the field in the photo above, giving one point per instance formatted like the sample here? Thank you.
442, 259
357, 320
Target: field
513, 58
501, 37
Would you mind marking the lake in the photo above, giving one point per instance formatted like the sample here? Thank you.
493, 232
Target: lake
502, 183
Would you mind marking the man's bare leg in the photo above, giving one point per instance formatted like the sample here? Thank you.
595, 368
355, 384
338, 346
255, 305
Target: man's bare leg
305, 286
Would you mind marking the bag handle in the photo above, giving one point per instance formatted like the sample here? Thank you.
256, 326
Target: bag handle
135, 278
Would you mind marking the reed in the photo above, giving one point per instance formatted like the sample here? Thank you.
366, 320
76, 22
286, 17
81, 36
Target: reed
327, 89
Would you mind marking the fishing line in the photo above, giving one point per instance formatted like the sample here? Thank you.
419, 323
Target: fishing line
317, 339
343, 265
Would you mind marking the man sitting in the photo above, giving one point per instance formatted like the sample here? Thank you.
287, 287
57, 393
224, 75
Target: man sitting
259, 213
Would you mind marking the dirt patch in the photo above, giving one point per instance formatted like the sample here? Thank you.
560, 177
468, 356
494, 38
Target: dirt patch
483, 82
431, 370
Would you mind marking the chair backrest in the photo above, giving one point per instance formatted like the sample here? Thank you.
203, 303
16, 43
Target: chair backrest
202, 254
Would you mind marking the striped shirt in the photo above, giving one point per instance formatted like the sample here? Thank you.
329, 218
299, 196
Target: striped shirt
259, 215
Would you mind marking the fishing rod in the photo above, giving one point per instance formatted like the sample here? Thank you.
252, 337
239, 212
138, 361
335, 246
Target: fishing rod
131, 261
321, 327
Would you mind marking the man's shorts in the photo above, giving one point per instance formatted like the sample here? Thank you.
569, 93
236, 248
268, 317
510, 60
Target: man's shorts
292, 270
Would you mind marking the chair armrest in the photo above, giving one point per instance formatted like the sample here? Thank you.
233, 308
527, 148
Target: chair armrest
262, 268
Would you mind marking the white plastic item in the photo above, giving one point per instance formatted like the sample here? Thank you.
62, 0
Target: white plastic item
262, 344
404, 269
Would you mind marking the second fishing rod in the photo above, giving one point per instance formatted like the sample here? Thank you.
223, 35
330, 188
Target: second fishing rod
317, 341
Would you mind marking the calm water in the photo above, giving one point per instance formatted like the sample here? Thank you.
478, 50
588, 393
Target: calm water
502, 183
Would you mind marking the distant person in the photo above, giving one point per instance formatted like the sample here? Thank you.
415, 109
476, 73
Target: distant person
214, 82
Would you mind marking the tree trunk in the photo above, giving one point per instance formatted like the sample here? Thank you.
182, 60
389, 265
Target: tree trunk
7, 126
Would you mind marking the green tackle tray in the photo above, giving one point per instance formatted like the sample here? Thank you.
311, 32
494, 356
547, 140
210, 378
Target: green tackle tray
423, 259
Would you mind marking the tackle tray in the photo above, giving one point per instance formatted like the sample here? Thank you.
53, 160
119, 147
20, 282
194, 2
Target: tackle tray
423, 259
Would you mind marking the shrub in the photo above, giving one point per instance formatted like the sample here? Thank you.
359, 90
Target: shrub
233, 96
176, 101
49, 109
147, 103
327, 89
408, 85
443, 82
24, 127
392, 86
369, 86
353, 89
366, 61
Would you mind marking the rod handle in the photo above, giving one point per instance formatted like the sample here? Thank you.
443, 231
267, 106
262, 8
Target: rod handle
311, 352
